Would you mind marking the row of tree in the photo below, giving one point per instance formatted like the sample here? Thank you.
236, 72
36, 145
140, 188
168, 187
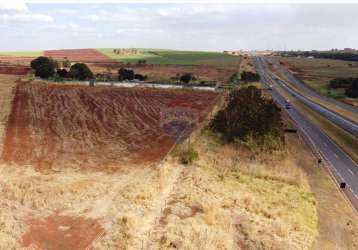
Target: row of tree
46, 67
347, 56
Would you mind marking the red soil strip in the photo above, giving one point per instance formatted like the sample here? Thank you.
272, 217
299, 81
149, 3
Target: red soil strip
62, 233
14, 70
78, 55
101, 128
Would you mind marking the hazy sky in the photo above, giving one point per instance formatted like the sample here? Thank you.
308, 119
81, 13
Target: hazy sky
178, 26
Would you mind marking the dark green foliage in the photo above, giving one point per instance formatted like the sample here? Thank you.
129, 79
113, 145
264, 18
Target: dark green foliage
62, 73
248, 76
352, 91
125, 74
248, 115
140, 77
341, 82
80, 71
45, 71
186, 78
44, 67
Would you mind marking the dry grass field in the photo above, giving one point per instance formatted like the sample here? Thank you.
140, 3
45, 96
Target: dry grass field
230, 198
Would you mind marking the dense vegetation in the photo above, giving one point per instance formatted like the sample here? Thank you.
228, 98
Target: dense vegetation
349, 84
352, 91
347, 56
46, 68
249, 117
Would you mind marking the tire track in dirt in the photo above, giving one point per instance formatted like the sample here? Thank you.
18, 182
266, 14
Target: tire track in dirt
102, 128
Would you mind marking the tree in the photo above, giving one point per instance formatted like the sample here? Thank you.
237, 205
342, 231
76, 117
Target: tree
352, 91
44, 67
80, 71
62, 73
125, 74
248, 76
186, 78
248, 115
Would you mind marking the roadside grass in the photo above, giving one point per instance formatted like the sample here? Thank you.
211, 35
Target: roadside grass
21, 53
324, 89
163, 56
345, 113
246, 199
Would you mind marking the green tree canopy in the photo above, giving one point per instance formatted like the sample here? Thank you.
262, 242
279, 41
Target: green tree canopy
44, 67
80, 71
248, 115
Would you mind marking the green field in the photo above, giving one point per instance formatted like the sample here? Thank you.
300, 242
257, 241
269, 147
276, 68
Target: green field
21, 53
162, 56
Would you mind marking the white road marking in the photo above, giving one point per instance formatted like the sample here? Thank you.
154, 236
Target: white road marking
350, 171
335, 155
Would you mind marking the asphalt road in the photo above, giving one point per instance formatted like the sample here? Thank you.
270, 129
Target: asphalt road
334, 117
307, 90
342, 168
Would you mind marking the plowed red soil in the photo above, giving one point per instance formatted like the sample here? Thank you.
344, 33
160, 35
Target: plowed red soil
78, 55
62, 233
101, 128
14, 70
160, 72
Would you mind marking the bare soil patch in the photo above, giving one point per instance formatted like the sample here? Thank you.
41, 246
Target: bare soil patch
62, 233
99, 128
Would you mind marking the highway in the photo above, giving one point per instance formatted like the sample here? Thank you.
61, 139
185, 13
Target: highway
342, 168
308, 91
334, 117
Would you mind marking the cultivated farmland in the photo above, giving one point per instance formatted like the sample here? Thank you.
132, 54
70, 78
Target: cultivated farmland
93, 128
78, 55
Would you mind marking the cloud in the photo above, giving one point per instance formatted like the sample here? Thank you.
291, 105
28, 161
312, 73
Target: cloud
13, 5
26, 17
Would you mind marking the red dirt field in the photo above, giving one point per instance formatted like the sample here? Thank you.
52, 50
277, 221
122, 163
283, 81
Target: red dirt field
62, 233
101, 128
160, 72
78, 55
14, 70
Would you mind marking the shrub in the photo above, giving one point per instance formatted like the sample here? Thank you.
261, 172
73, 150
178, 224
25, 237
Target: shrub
248, 115
80, 71
189, 156
186, 78
125, 74
248, 76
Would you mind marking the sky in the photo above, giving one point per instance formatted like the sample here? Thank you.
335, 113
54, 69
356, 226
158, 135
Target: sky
213, 27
